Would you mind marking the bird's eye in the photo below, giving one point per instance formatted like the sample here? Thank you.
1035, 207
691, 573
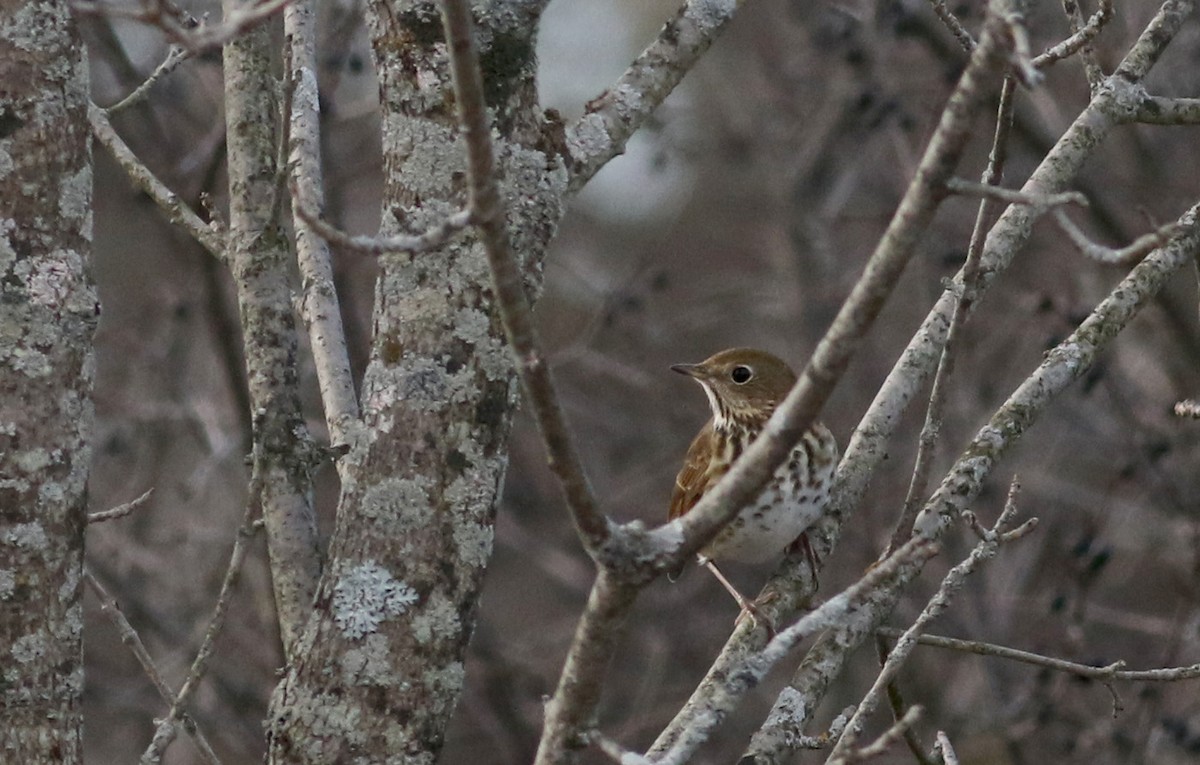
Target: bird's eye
741, 374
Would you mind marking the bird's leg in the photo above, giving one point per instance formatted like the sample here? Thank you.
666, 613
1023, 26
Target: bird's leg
802, 543
748, 606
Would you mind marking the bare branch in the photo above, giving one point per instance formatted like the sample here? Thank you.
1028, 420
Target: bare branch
888, 739
1038, 201
1127, 255
1112, 672
609, 120
176, 209
437, 235
952, 23
175, 56
734, 685
927, 441
487, 212
164, 734
953, 581
120, 511
1080, 40
131, 638
319, 300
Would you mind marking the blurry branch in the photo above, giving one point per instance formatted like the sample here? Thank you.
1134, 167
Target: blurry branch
951, 584
1188, 408
945, 749
896, 702
319, 300
614, 751
130, 637
898, 731
164, 734
1112, 672
1021, 58
1127, 255
120, 511
1038, 201
181, 27
437, 235
612, 117
952, 23
834, 351
1080, 40
175, 56
175, 209
993, 174
727, 694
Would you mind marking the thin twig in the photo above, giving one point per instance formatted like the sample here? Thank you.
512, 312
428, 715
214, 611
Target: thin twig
993, 174
167, 727
988, 189
436, 236
741, 679
1127, 255
898, 730
1188, 408
953, 581
120, 511
175, 208
131, 638
1109, 673
952, 23
1081, 37
1091, 67
175, 56
896, 701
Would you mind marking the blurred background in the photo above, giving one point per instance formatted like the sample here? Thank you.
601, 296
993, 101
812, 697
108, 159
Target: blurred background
741, 216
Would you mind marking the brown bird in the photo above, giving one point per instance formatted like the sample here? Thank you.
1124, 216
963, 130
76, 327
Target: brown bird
744, 386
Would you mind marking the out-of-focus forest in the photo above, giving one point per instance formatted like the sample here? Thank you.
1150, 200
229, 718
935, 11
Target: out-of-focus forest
742, 216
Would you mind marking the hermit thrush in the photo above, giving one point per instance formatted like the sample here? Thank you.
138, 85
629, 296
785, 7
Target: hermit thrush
744, 386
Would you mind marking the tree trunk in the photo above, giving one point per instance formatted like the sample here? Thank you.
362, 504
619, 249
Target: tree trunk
48, 313
379, 669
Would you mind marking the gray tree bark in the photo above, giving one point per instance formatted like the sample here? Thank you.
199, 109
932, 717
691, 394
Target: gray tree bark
48, 312
379, 669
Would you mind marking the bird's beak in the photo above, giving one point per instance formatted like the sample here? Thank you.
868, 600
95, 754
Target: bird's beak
691, 370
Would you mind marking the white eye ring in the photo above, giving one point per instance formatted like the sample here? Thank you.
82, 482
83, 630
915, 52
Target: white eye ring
741, 374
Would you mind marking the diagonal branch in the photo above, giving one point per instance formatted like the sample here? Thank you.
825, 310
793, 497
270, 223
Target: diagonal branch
610, 119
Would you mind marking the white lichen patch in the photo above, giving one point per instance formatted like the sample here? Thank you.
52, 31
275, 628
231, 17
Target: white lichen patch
590, 137
403, 503
50, 280
75, 199
29, 648
439, 619
365, 595
368, 664
33, 461
328, 718
444, 685
8, 583
473, 542
27, 536
709, 14
36, 26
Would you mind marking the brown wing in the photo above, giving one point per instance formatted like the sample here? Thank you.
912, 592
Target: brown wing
693, 477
